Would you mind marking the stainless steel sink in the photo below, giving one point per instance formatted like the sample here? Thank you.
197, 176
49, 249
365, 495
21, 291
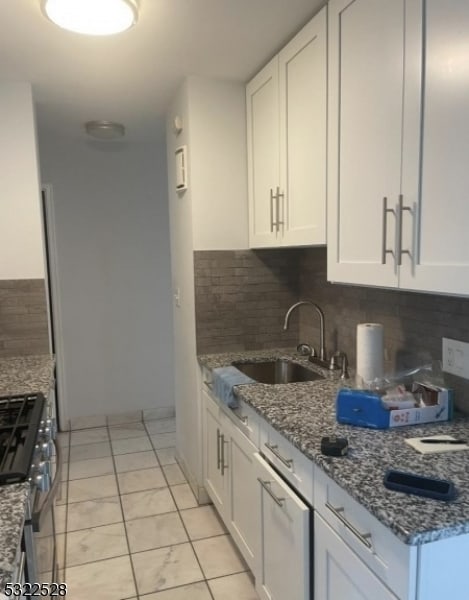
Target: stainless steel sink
277, 371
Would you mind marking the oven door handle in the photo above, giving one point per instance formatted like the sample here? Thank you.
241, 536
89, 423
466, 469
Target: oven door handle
20, 577
45, 506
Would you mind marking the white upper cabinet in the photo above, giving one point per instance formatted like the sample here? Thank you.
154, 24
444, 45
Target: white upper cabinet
398, 149
438, 223
366, 105
263, 155
286, 117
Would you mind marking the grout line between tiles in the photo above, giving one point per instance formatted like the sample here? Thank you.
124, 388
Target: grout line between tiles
178, 543
98, 560
185, 528
125, 528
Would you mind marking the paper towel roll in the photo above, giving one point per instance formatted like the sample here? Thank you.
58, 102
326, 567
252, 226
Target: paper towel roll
370, 352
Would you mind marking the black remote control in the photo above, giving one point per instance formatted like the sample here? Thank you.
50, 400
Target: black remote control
408, 483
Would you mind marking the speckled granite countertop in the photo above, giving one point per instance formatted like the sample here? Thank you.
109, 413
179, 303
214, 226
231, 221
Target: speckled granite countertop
26, 374
304, 412
18, 375
13, 499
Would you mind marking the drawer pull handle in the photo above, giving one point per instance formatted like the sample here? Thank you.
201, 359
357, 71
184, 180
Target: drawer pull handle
266, 485
209, 384
288, 462
242, 418
363, 537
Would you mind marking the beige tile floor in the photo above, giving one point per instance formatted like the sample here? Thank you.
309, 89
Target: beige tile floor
131, 526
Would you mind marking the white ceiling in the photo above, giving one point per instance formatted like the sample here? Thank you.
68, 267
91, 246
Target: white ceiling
132, 76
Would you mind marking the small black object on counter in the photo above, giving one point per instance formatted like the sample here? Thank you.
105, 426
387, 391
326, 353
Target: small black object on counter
334, 446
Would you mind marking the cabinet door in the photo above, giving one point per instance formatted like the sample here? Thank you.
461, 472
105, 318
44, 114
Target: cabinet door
366, 85
215, 480
263, 155
302, 103
436, 228
339, 573
283, 570
244, 510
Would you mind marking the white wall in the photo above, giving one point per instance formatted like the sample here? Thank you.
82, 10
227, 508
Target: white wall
218, 168
188, 417
112, 231
21, 245
210, 214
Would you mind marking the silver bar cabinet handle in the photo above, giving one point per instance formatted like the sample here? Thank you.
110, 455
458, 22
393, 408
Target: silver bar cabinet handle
223, 442
384, 249
363, 537
266, 485
218, 449
288, 462
278, 196
401, 209
272, 210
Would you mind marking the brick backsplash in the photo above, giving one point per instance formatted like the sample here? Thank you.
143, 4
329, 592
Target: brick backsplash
414, 323
23, 317
241, 297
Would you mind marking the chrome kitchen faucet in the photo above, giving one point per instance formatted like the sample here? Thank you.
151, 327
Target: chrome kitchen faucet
322, 349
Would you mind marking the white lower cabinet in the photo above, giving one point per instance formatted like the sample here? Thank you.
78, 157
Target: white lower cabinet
214, 460
352, 554
380, 552
243, 510
229, 478
269, 523
339, 573
355, 556
283, 566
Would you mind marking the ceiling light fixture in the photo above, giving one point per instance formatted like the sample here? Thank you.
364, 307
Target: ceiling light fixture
105, 130
92, 17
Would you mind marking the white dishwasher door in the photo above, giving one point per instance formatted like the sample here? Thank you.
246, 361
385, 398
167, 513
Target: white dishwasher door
283, 570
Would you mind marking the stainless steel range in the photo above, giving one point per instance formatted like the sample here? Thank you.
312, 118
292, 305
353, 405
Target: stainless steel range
29, 451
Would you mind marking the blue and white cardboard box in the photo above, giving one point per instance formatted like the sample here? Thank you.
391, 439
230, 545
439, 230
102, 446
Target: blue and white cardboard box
365, 409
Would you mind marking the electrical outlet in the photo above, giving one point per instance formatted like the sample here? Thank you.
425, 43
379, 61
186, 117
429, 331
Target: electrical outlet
456, 357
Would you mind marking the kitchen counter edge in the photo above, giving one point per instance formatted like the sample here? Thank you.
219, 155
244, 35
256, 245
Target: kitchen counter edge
18, 375
304, 412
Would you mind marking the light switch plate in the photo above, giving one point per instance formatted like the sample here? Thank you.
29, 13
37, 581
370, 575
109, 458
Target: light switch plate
456, 357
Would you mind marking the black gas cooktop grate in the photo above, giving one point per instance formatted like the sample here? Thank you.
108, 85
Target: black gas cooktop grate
20, 418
